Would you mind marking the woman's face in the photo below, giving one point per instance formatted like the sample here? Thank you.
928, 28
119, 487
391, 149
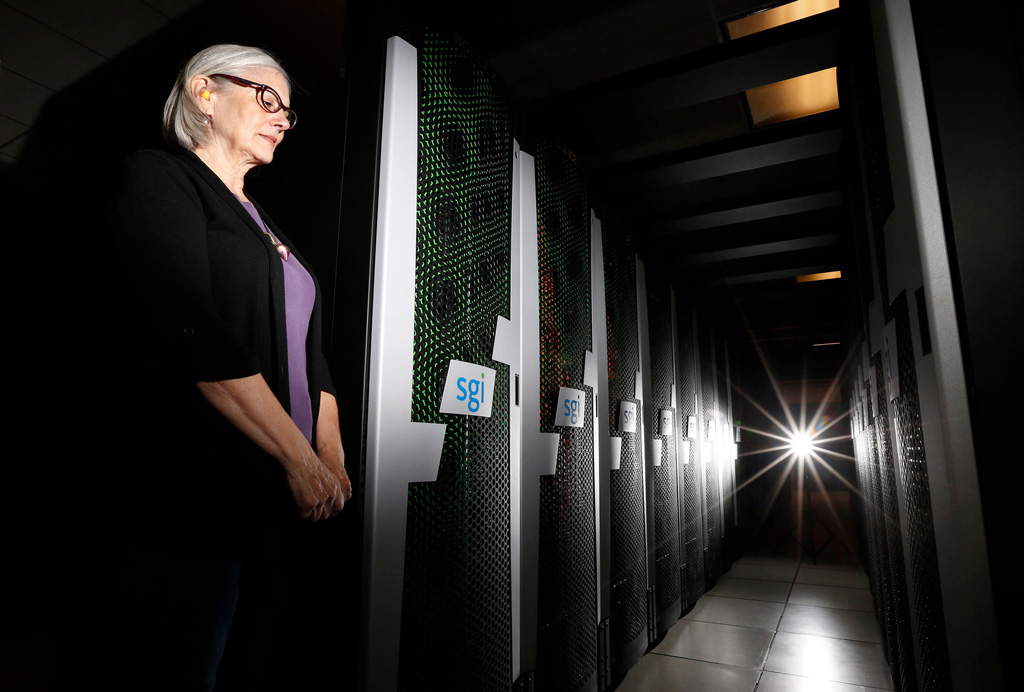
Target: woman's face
243, 130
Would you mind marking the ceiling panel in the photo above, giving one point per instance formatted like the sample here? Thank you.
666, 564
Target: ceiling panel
41, 54
21, 99
105, 26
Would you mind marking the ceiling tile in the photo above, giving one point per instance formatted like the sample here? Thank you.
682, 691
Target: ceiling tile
106, 26
15, 147
21, 99
41, 54
9, 129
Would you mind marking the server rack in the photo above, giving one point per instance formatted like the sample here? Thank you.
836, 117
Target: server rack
667, 506
694, 497
566, 561
629, 585
437, 544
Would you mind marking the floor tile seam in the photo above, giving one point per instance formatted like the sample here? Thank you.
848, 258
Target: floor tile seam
769, 581
812, 605
834, 569
805, 563
830, 586
736, 598
745, 598
729, 624
838, 639
855, 570
768, 652
769, 564
841, 682
852, 588
829, 636
714, 663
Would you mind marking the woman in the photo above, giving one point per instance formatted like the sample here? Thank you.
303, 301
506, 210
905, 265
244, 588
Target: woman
238, 428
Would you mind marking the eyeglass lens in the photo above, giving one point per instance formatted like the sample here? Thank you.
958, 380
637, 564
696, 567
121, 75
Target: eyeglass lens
271, 101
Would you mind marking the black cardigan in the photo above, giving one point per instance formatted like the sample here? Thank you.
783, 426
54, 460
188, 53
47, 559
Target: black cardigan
205, 291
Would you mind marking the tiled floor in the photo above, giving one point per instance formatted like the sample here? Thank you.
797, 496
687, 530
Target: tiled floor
773, 624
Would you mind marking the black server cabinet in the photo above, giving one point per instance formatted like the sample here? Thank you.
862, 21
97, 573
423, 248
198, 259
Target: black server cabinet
437, 610
666, 468
694, 511
567, 562
456, 591
629, 579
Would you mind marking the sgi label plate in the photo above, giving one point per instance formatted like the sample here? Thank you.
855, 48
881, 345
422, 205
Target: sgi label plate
571, 408
468, 389
627, 416
665, 426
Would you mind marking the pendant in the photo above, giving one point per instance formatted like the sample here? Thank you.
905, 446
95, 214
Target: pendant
283, 250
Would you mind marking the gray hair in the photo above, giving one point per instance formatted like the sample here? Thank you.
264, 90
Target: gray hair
184, 122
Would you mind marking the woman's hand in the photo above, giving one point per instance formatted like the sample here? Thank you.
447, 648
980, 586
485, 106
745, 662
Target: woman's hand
328, 444
334, 460
315, 488
250, 406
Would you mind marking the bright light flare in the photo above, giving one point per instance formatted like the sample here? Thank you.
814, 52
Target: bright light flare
801, 445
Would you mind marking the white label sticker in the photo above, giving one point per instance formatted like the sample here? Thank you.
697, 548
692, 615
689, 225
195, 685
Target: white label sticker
665, 425
627, 416
467, 390
571, 405
685, 451
616, 460
712, 427
691, 427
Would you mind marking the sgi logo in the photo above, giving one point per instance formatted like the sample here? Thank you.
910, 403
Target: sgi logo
627, 416
476, 388
465, 389
570, 413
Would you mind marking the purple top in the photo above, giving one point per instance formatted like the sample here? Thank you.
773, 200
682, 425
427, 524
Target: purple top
299, 294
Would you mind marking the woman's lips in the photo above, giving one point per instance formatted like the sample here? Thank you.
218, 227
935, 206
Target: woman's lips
272, 140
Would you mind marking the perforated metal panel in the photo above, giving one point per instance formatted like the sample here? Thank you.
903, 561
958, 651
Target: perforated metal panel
567, 617
457, 588
628, 541
868, 479
898, 610
924, 564
712, 502
693, 503
666, 497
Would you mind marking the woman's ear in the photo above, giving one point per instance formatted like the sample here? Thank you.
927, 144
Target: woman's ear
201, 88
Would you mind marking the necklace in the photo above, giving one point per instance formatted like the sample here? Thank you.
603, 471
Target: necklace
281, 248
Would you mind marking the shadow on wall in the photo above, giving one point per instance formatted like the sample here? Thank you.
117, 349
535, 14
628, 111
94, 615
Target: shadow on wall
76, 414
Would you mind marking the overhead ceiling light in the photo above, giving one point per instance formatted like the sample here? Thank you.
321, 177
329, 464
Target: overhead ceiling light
823, 276
777, 16
830, 343
794, 98
798, 97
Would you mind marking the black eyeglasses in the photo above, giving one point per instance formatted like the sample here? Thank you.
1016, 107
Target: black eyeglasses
269, 100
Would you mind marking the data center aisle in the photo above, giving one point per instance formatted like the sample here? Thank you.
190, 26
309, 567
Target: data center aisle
773, 624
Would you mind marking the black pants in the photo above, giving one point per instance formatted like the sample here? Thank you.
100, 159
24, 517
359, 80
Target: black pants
177, 615
201, 622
